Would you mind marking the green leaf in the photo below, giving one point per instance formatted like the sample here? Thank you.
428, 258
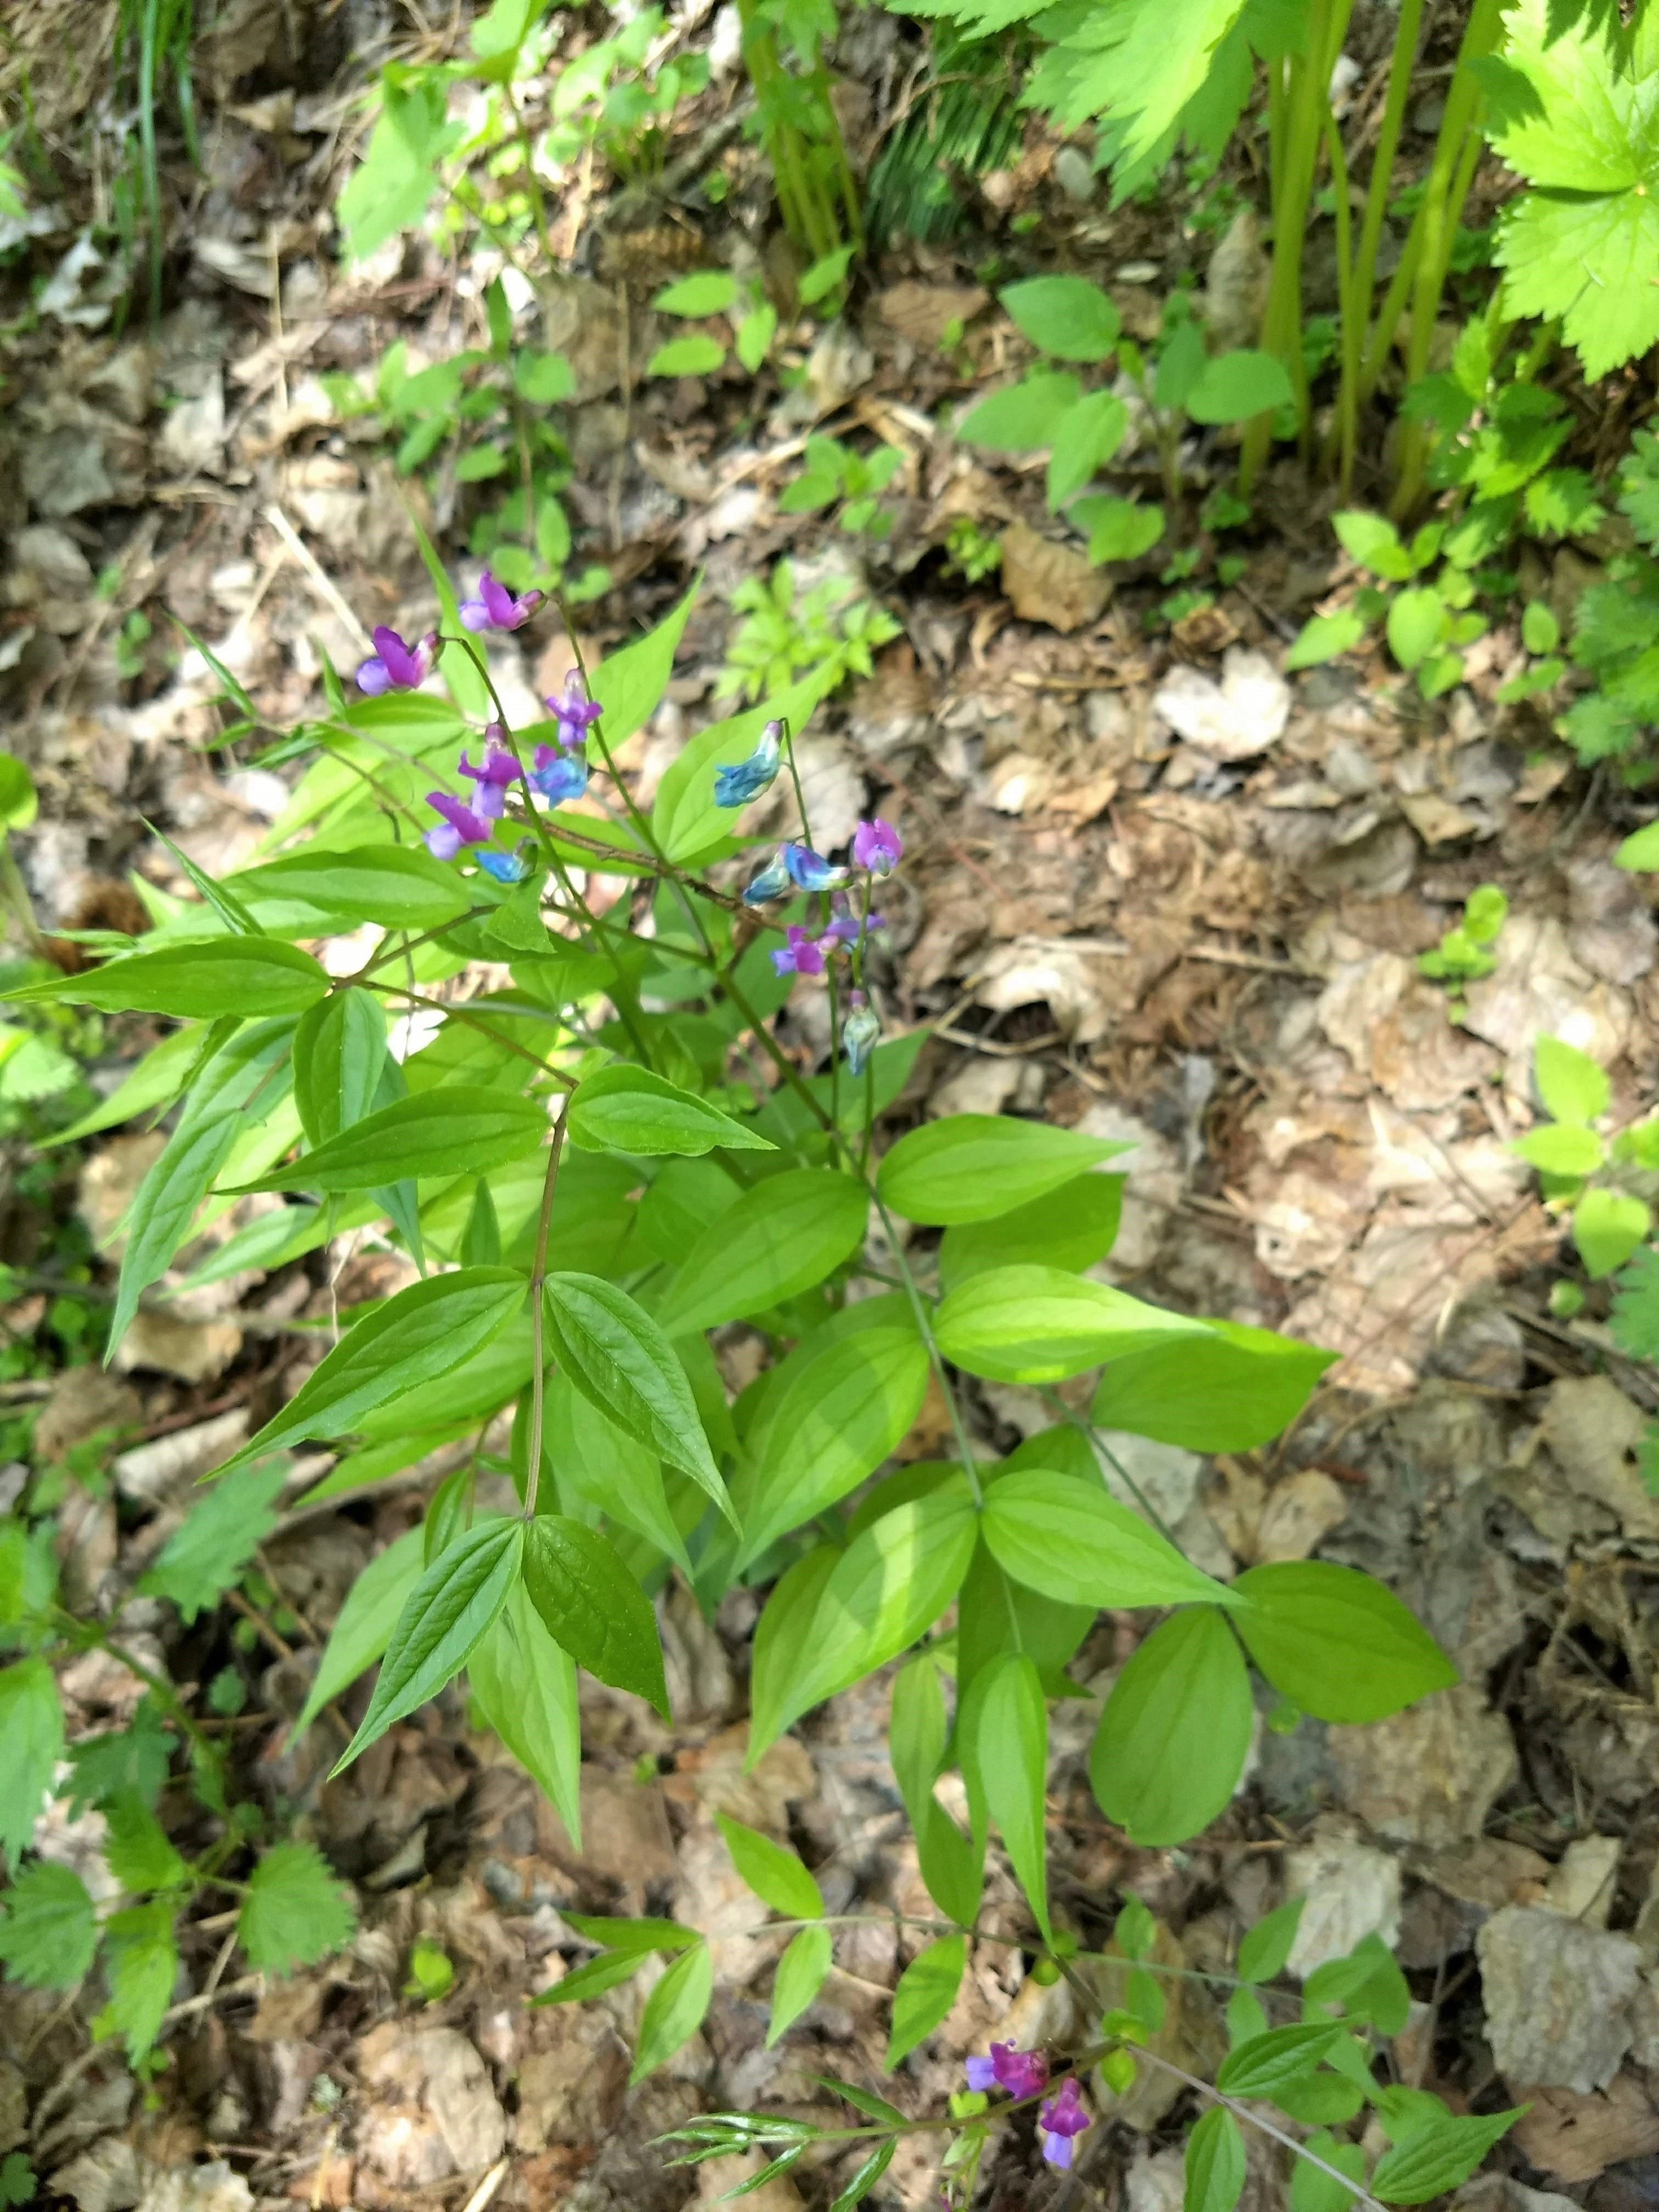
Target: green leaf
867, 2177
1073, 1542
1119, 529
640, 1935
389, 190
445, 1619
1020, 418
817, 281
593, 1978
782, 1641
143, 1966
973, 1167
364, 1626
18, 2182
889, 1585
461, 1128
399, 886
924, 1993
604, 1468
1071, 1227
1226, 1392
1066, 317
1323, 637
684, 814
629, 683
416, 1337
1572, 1087
1214, 2163
776, 1876
801, 1973
618, 1357
1640, 850
1185, 1684
1415, 625
1561, 1148
1032, 1324
1367, 1984
1084, 439
138, 1853
1607, 1226
627, 1110
1335, 1641
19, 802
1263, 2064
696, 355
780, 1238
1011, 1755
207, 1553
1314, 2191
525, 1686
1439, 2155
542, 378
592, 1606
49, 1931
206, 979
832, 1412
1540, 630
295, 1912
1264, 1948
753, 334
950, 1866
1373, 541
1233, 386
165, 1205
673, 2012
339, 1057
704, 292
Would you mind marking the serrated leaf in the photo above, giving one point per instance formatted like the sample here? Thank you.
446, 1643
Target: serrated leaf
138, 1853
48, 1926
206, 1554
295, 1912
444, 1619
143, 1965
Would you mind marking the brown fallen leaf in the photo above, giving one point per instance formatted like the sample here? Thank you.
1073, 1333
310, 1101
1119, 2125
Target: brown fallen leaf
1574, 2138
1049, 583
923, 312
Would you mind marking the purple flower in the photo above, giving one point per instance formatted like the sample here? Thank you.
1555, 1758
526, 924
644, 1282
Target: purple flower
505, 868
878, 847
559, 776
1059, 2120
810, 871
844, 925
460, 826
574, 709
803, 956
395, 666
771, 883
744, 780
1021, 2073
859, 1034
496, 608
498, 769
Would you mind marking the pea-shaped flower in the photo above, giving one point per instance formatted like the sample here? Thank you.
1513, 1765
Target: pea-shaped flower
505, 868
1020, 2073
876, 847
771, 883
810, 871
736, 784
559, 776
574, 710
802, 955
859, 1034
493, 607
461, 825
1058, 2121
491, 776
395, 666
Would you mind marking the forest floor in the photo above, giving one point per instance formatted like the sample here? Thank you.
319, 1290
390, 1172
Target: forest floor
1153, 889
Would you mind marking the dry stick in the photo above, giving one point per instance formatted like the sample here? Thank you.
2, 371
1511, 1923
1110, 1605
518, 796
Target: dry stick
537, 1278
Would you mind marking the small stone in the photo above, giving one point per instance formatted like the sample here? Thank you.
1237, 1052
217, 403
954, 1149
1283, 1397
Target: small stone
1074, 174
1348, 1889
1234, 720
1558, 1998
1582, 1885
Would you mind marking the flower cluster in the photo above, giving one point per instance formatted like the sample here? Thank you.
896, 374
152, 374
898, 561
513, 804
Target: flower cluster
558, 772
1026, 2074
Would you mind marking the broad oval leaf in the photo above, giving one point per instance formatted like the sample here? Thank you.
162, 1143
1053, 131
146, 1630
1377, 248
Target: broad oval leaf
972, 1167
591, 1605
1233, 386
801, 1973
674, 2011
615, 1355
1572, 1087
205, 980
412, 1339
925, 1992
1066, 317
1071, 1227
776, 1876
1227, 1390
1021, 417
445, 1618
834, 1411
779, 1239
1335, 1641
525, 1686
339, 1054
460, 1128
1074, 1542
1031, 1324
1214, 2163
1186, 1684
1607, 1226
891, 1584
627, 1110
1259, 2067
1010, 1753
363, 1628
399, 886
783, 1638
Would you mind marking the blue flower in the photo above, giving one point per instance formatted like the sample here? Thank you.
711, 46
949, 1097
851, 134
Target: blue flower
558, 776
505, 868
772, 882
810, 871
744, 780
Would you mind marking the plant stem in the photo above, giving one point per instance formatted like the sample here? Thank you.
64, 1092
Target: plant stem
538, 200
538, 1349
936, 1358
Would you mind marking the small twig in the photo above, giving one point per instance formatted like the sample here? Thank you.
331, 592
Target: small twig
324, 584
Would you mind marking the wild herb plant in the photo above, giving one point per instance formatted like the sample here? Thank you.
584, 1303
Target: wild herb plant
596, 1173
835, 475
1464, 953
819, 636
1615, 628
1583, 1173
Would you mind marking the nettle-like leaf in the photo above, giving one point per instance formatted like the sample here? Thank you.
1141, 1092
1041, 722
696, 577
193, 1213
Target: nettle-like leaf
48, 1928
295, 1912
1583, 244
206, 1554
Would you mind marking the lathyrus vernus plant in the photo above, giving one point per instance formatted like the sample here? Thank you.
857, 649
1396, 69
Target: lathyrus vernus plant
598, 1169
